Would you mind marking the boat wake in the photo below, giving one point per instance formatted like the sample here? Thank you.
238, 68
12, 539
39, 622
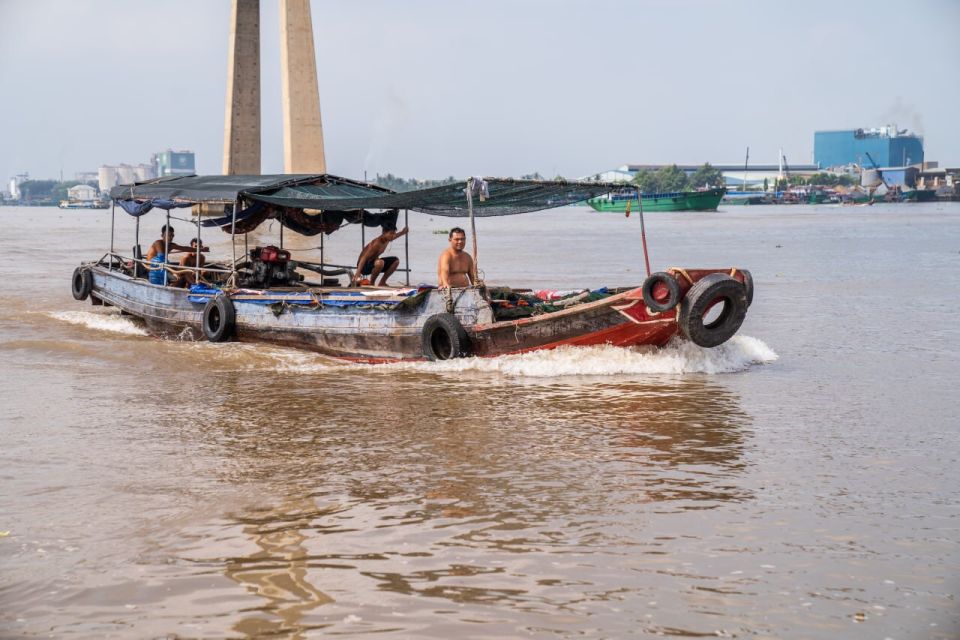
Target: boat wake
111, 322
678, 357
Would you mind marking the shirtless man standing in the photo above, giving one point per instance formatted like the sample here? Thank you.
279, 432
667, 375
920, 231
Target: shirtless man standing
371, 264
455, 268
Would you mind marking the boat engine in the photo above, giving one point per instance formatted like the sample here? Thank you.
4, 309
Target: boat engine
270, 266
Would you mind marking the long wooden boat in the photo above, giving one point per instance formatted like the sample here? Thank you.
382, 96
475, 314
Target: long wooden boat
372, 324
706, 200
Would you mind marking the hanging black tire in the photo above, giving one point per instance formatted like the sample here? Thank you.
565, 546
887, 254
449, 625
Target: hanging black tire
444, 338
704, 295
81, 284
219, 319
748, 285
653, 296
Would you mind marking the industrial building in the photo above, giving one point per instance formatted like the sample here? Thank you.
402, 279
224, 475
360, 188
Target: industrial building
109, 175
15, 182
82, 193
886, 146
174, 163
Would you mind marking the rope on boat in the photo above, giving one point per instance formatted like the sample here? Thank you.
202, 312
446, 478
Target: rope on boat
686, 276
449, 302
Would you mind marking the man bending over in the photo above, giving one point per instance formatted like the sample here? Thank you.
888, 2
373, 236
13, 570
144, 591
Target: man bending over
371, 264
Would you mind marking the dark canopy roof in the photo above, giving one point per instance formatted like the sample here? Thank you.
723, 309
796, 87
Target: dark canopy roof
501, 196
226, 189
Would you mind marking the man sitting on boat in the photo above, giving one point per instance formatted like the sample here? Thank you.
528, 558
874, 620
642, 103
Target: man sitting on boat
455, 268
189, 260
157, 254
371, 264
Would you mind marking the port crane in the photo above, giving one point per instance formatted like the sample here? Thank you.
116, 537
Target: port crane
876, 167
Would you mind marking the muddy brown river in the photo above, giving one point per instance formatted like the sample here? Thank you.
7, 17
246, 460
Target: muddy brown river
800, 481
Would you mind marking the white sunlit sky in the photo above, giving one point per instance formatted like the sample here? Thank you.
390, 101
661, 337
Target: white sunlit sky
430, 88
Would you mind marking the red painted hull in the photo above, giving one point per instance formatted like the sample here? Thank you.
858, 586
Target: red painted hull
622, 320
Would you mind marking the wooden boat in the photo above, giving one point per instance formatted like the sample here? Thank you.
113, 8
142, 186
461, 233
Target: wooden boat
706, 200
263, 297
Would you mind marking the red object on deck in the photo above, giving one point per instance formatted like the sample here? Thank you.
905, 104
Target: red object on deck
273, 254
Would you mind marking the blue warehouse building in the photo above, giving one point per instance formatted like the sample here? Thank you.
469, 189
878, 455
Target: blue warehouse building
887, 146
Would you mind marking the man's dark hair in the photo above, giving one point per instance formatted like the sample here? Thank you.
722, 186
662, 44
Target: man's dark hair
165, 228
196, 241
389, 226
456, 230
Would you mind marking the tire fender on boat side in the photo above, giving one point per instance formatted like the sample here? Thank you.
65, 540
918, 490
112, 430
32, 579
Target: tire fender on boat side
748, 285
219, 319
714, 289
82, 283
444, 338
653, 296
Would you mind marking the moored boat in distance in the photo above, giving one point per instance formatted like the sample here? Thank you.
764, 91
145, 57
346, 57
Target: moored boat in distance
83, 204
706, 200
262, 296
746, 198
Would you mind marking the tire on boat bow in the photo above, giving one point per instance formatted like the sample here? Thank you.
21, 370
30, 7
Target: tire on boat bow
708, 292
82, 283
664, 297
748, 284
219, 319
444, 338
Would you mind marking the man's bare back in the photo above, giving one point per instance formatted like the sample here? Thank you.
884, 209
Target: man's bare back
455, 268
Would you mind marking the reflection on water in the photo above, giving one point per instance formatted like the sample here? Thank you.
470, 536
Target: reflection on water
278, 571
434, 494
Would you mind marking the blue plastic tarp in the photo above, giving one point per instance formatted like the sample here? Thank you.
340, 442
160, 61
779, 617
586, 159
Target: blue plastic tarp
137, 208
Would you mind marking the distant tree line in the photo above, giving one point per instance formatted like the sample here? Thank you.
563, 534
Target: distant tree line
826, 180
672, 178
49, 190
821, 179
397, 183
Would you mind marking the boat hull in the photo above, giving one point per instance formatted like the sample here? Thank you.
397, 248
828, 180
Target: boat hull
373, 333
682, 201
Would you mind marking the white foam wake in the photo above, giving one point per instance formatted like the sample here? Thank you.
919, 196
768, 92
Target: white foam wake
678, 357
112, 322
261, 357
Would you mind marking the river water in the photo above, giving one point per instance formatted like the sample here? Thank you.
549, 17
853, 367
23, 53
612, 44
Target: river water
798, 482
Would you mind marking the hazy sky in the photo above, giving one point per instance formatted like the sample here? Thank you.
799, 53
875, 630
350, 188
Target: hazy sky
430, 88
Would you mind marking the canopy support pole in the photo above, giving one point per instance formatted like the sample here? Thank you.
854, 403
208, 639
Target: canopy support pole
406, 243
166, 250
136, 245
233, 240
321, 256
643, 232
473, 232
281, 231
196, 278
113, 211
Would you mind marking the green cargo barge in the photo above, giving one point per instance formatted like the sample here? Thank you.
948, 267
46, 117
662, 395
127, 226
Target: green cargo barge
679, 201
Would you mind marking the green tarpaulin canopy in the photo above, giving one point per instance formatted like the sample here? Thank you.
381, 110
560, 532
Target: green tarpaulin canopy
502, 196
